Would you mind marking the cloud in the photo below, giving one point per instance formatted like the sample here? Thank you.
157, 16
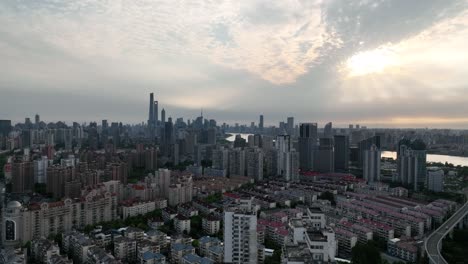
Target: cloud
428, 66
236, 58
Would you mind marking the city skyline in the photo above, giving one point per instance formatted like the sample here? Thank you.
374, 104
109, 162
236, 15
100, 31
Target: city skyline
374, 63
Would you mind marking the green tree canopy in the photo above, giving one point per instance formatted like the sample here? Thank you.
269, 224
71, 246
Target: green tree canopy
365, 254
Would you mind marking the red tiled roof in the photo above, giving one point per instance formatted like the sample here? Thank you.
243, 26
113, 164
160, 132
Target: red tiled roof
282, 232
231, 195
138, 187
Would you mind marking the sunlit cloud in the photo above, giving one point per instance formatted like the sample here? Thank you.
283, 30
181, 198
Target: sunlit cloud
368, 62
278, 41
428, 66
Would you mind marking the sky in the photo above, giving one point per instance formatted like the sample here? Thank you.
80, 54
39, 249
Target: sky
380, 63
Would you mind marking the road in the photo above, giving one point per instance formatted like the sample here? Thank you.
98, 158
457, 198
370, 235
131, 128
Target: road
433, 243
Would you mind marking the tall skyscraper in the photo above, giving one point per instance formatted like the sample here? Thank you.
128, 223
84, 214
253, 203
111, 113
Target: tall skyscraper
163, 180
409, 152
341, 153
325, 158
288, 159
220, 159
371, 169
364, 145
240, 237
22, 173
5, 127
163, 116
57, 176
419, 150
156, 113
307, 145
37, 119
254, 161
435, 179
260, 123
328, 130
407, 166
151, 110
290, 126
153, 116
237, 162
40, 170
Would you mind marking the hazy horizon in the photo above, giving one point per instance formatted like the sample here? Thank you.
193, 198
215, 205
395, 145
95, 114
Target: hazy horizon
384, 64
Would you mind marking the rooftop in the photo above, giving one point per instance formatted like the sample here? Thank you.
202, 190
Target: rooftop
209, 239
316, 236
180, 247
193, 258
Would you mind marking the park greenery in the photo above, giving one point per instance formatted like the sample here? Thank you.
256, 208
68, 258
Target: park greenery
328, 196
366, 254
213, 198
454, 249
276, 258
3, 161
140, 221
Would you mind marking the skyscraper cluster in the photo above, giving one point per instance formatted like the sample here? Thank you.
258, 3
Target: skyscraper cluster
153, 120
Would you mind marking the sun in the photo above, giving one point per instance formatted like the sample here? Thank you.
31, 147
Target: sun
368, 62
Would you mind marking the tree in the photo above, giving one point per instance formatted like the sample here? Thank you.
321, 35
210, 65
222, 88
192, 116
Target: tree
195, 243
271, 244
3, 161
328, 196
365, 254
40, 188
213, 198
206, 163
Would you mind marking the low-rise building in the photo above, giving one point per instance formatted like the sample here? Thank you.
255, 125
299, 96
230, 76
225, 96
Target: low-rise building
103, 239
206, 242
346, 241
131, 208
187, 210
99, 255
152, 258
211, 224
77, 245
168, 214
157, 236
195, 259
147, 246
402, 249
181, 239
13, 256
182, 224
160, 203
364, 234
42, 250
178, 251
205, 208
155, 223
216, 253
381, 230
134, 233
125, 249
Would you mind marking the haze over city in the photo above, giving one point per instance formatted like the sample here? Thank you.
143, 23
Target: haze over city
376, 63
240, 132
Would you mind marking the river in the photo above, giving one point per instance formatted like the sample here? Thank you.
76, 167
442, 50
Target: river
232, 137
455, 160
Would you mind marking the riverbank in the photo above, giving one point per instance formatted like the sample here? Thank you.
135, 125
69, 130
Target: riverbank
455, 160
